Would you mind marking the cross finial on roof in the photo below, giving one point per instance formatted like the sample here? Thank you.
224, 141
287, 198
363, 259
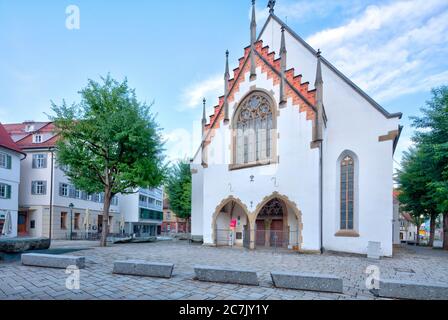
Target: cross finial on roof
271, 5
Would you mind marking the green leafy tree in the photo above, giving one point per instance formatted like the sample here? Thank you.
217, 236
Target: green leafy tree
433, 134
109, 142
178, 189
415, 179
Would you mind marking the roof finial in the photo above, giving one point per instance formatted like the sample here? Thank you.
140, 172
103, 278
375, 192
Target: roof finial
271, 5
253, 37
282, 67
226, 89
319, 85
204, 116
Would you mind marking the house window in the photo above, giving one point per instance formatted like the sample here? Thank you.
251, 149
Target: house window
254, 124
29, 128
168, 216
64, 190
63, 220
347, 193
5, 191
5, 161
39, 187
33, 224
37, 138
76, 222
39, 161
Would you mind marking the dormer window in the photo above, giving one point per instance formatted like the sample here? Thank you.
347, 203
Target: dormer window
29, 128
37, 138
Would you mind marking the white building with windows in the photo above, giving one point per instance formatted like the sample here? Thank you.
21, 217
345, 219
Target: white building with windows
295, 154
143, 211
45, 193
10, 157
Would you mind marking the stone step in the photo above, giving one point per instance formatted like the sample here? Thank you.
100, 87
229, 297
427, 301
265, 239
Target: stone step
144, 268
411, 290
52, 261
307, 281
226, 275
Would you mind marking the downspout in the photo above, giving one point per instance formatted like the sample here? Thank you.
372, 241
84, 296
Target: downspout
51, 195
321, 197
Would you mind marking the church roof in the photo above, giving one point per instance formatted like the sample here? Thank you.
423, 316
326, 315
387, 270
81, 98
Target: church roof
375, 104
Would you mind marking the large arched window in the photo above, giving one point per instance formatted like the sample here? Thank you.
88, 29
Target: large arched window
347, 193
254, 124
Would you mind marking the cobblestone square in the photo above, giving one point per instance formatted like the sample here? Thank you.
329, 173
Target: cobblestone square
19, 282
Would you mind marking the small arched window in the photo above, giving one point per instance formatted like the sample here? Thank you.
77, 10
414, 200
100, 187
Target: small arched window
254, 124
347, 193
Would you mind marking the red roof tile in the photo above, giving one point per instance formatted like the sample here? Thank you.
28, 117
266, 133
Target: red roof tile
6, 141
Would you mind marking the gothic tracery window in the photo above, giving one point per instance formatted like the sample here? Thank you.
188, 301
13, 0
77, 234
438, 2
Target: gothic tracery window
254, 125
347, 193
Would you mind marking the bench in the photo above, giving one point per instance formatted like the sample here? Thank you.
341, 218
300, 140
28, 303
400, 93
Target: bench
399, 289
52, 261
307, 281
226, 275
144, 268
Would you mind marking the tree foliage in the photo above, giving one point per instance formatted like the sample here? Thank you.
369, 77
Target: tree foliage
109, 142
178, 189
423, 178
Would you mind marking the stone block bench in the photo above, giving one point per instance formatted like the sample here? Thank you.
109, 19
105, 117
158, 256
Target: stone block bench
411, 290
307, 281
144, 269
52, 261
226, 275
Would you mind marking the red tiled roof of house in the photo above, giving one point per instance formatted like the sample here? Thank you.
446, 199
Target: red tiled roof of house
7, 142
26, 141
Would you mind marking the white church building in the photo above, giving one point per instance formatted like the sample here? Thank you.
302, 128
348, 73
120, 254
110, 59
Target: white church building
295, 155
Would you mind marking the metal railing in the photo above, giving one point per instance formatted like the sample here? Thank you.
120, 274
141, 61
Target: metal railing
263, 238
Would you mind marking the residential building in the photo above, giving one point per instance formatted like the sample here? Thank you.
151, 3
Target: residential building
295, 155
45, 192
408, 230
10, 157
171, 223
143, 211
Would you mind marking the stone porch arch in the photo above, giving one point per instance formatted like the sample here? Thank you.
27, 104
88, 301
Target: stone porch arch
218, 210
289, 204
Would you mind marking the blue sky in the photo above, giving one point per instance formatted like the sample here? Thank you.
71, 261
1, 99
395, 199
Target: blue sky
172, 52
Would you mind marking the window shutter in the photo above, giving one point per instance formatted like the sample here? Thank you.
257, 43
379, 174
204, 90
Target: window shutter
33, 187
45, 162
44, 187
71, 192
8, 192
60, 190
8, 162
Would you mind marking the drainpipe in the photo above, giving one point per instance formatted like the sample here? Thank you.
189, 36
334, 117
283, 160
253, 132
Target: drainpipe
51, 195
321, 197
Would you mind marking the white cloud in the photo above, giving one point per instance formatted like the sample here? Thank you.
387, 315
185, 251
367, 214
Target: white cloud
210, 89
178, 144
393, 49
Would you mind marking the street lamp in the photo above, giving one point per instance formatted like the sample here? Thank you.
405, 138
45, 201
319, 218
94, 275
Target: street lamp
71, 206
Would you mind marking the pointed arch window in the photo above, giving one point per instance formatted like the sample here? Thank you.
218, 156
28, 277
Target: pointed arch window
347, 193
254, 122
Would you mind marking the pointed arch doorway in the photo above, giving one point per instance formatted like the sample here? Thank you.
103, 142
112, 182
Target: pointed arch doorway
231, 211
278, 224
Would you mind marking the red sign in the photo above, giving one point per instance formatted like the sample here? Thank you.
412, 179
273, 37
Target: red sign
233, 224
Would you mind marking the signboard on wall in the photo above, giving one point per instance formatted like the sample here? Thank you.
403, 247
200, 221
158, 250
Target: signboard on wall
233, 224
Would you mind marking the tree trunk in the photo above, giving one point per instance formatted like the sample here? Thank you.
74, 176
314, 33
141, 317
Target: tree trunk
432, 230
445, 231
107, 200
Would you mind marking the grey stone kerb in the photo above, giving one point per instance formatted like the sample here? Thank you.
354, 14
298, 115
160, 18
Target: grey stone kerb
398, 289
307, 281
226, 275
144, 268
52, 261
